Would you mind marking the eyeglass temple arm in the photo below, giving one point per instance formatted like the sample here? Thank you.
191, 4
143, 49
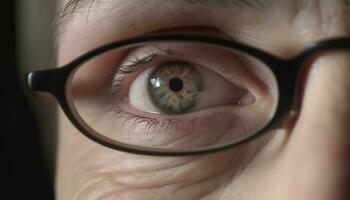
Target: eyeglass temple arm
46, 80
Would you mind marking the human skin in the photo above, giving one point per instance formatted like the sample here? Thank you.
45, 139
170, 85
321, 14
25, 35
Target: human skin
308, 158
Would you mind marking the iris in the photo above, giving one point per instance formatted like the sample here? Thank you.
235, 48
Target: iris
174, 86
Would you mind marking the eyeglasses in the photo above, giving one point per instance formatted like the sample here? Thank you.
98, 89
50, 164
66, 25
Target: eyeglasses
176, 95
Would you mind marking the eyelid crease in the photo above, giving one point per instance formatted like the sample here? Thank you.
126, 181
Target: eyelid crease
128, 68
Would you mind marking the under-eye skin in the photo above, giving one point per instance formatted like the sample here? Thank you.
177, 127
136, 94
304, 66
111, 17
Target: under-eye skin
174, 86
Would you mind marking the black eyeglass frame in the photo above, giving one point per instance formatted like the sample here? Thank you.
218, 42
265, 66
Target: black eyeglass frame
286, 71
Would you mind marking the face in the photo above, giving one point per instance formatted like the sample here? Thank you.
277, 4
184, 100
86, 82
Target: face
307, 157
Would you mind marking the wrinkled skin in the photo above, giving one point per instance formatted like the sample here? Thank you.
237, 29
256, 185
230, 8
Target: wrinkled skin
309, 157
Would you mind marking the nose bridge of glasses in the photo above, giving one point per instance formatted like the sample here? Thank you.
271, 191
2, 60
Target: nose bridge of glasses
300, 65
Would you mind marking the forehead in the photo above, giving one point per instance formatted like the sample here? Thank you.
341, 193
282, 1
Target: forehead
267, 24
69, 7
74, 4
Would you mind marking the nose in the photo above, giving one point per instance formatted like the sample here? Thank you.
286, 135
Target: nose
319, 145
318, 150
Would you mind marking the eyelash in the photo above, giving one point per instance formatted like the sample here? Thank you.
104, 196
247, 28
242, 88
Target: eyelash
124, 70
135, 120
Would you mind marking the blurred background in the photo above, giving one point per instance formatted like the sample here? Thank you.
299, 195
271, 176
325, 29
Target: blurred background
28, 146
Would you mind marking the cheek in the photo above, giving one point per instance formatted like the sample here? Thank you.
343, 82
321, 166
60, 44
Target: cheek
88, 169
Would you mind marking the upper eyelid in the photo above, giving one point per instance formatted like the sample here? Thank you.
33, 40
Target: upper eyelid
126, 68
145, 59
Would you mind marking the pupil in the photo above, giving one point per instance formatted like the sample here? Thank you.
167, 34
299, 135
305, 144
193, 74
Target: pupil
175, 84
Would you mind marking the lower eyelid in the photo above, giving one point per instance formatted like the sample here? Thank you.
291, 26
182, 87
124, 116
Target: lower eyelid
125, 107
163, 130
124, 124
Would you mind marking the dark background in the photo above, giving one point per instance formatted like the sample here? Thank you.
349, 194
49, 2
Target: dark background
23, 173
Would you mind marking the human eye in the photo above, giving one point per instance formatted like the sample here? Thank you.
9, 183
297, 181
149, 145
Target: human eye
174, 94
176, 82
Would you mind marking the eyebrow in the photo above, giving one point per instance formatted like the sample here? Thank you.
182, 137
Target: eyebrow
72, 5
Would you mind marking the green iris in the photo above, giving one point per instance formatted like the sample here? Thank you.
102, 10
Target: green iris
174, 86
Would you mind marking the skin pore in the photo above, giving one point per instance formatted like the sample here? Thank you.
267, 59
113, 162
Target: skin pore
307, 158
